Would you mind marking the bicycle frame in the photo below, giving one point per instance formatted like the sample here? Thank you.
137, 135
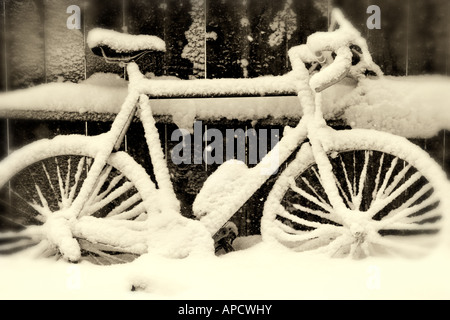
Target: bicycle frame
137, 102
311, 126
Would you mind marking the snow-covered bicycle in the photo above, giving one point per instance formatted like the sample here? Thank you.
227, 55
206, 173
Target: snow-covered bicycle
346, 193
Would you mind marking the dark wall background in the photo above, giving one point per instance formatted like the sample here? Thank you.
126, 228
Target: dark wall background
205, 38
37, 47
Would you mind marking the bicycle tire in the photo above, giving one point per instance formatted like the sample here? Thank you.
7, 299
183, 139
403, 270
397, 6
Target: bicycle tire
394, 195
46, 176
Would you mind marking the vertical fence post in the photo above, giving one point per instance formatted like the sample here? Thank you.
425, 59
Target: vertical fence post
4, 47
447, 40
84, 13
205, 63
408, 15
42, 3
4, 63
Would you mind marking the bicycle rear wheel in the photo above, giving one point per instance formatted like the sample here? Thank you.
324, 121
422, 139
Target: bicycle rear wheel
392, 190
45, 177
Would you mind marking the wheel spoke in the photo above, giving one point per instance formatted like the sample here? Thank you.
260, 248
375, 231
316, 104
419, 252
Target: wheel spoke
77, 177
64, 199
319, 179
49, 252
44, 167
399, 177
320, 214
120, 213
349, 184
43, 211
335, 245
381, 204
307, 235
137, 211
86, 245
287, 215
432, 215
99, 184
114, 182
387, 177
377, 179
344, 195
354, 174
309, 197
405, 210
29, 232
94, 257
30, 174
142, 217
362, 181
44, 203
413, 226
314, 191
29, 215
96, 249
67, 184
112, 196
288, 229
11, 234
317, 175
16, 245
12, 221
353, 247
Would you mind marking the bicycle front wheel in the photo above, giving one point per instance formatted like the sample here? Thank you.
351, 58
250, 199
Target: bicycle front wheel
393, 194
45, 177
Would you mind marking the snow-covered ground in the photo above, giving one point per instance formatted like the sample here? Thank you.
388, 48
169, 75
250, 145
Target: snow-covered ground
256, 271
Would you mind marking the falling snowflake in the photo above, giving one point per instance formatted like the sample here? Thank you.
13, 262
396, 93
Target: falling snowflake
245, 22
211, 36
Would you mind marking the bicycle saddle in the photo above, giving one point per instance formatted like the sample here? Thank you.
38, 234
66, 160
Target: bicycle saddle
117, 47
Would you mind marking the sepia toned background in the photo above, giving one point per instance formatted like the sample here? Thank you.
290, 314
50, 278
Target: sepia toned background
205, 39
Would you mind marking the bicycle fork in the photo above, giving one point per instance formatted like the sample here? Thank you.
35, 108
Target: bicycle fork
317, 132
111, 141
59, 226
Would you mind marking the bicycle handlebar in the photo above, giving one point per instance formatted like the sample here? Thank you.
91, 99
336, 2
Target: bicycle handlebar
335, 72
338, 41
333, 40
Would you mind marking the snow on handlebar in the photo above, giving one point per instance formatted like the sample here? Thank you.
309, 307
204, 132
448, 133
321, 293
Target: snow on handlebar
338, 41
335, 72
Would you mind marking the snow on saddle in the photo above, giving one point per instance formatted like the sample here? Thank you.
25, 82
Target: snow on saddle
117, 47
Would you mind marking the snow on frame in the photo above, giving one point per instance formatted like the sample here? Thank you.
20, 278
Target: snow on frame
413, 107
256, 271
